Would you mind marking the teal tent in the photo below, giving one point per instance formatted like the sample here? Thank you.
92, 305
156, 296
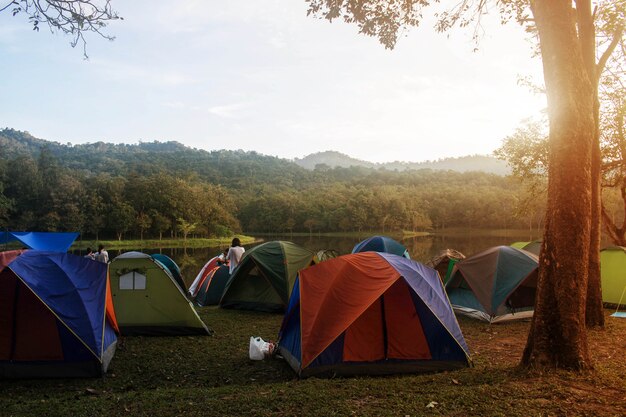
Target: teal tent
495, 285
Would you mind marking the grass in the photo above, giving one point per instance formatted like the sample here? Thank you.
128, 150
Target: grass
206, 376
356, 235
163, 243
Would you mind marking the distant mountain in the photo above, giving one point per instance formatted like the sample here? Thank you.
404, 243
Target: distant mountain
213, 165
333, 159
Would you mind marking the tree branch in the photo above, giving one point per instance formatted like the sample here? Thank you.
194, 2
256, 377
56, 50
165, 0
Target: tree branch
71, 17
617, 37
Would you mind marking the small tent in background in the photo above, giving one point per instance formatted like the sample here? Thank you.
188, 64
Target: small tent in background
57, 317
264, 279
46, 241
444, 263
370, 313
533, 247
148, 300
495, 285
381, 244
206, 269
171, 266
211, 288
613, 272
324, 255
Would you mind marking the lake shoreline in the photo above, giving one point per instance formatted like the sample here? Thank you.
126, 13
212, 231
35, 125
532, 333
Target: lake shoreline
162, 243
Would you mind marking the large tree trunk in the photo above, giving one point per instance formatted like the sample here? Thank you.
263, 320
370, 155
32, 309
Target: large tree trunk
594, 314
558, 335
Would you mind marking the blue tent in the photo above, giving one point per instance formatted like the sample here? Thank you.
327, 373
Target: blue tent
370, 313
56, 323
171, 266
381, 244
58, 242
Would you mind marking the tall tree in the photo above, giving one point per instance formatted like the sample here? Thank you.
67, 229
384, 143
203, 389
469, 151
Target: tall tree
609, 17
558, 335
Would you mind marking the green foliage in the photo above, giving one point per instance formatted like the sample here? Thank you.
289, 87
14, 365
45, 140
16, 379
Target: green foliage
526, 150
185, 227
141, 191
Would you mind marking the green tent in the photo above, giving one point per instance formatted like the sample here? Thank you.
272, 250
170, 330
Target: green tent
533, 247
264, 279
613, 272
148, 300
495, 285
519, 245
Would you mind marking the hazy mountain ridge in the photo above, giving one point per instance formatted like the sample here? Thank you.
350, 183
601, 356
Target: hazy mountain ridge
468, 163
108, 157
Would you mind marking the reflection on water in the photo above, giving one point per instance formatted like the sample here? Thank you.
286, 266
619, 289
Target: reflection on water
421, 248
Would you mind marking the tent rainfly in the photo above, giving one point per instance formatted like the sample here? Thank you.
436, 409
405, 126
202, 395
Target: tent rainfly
370, 314
495, 285
45, 241
57, 317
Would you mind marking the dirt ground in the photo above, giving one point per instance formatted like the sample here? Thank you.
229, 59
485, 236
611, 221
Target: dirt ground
601, 391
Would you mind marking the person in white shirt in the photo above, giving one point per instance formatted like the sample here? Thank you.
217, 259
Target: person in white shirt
235, 252
102, 255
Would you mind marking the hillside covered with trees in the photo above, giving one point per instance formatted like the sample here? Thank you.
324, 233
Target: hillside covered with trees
157, 189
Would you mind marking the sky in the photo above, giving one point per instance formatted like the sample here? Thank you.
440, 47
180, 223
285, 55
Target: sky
260, 75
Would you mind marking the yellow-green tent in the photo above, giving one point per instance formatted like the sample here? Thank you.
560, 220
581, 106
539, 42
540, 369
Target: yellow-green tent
613, 272
148, 300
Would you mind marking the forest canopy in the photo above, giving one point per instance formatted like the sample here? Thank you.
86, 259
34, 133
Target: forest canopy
157, 189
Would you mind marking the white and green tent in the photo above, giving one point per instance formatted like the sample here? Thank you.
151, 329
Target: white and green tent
148, 300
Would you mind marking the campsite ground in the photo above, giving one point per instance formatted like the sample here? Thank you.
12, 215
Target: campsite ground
212, 376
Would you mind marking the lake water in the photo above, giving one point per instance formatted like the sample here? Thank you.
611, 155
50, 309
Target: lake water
421, 248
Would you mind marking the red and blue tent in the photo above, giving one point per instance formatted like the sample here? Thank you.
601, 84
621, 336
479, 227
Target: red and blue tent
56, 316
211, 288
370, 313
202, 275
381, 244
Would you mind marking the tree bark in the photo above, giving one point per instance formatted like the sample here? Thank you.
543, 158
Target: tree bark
594, 315
558, 335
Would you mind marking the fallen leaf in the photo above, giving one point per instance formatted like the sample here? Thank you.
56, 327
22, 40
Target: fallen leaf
432, 404
455, 381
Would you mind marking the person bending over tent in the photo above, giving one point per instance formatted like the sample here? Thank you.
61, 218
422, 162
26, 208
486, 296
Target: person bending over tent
234, 255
